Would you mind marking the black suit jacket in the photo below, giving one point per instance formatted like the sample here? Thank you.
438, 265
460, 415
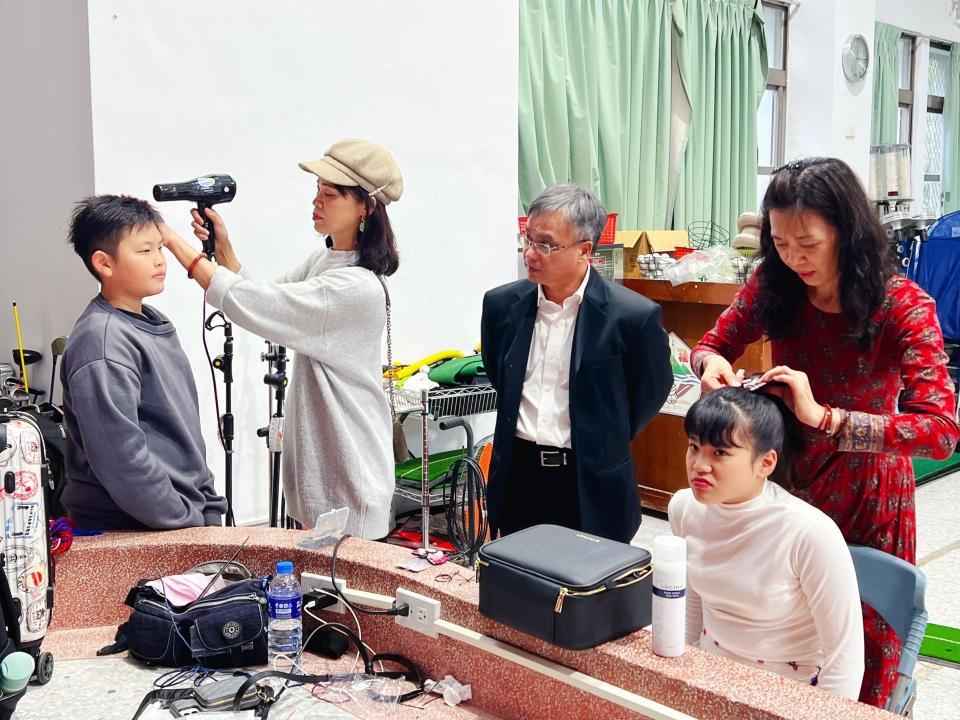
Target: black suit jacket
620, 375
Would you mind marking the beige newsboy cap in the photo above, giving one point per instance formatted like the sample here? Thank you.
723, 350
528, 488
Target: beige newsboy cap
360, 162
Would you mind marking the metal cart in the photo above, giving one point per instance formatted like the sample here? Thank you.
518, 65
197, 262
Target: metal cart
436, 405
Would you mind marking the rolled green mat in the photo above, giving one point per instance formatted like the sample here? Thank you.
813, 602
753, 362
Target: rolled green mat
15, 672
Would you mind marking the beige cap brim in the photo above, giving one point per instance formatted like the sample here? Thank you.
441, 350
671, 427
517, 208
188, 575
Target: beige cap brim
328, 173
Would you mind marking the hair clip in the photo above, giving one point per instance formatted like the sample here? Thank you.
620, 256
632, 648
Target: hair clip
379, 189
791, 166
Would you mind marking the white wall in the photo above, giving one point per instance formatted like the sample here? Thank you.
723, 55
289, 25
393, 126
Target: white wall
249, 88
828, 115
46, 163
932, 18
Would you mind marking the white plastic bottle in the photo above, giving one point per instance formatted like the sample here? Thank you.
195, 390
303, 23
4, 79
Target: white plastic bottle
669, 595
285, 627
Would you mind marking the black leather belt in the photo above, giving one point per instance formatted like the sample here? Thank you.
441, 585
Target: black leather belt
548, 457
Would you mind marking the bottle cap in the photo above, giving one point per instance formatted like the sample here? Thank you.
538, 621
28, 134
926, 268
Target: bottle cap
284, 567
669, 548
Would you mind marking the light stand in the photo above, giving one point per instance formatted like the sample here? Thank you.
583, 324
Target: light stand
224, 363
276, 378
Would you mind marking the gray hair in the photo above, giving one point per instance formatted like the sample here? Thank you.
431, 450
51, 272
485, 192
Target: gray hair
578, 205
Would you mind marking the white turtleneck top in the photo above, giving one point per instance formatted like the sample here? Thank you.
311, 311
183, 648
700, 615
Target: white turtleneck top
770, 582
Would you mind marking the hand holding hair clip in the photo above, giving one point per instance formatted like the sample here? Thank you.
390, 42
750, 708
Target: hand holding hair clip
755, 382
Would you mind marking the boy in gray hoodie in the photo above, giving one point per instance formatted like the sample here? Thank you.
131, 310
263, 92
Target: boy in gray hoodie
135, 455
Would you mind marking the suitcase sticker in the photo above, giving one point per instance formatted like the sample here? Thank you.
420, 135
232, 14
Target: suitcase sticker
24, 521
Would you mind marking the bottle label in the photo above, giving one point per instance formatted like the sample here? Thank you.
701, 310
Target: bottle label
285, 608
669, 592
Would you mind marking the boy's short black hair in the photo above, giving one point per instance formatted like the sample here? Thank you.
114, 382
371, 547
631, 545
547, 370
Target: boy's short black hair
101, 221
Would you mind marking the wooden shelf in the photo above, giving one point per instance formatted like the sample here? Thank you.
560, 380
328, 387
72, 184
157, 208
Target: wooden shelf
700, 293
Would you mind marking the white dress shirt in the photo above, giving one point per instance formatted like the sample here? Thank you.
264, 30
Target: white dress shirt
545, 404
770, 582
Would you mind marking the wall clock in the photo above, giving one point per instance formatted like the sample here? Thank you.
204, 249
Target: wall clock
855, 58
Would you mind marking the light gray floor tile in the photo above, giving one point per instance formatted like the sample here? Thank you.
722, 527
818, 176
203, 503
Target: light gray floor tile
938, 692
938, 515
650, 527
943, 589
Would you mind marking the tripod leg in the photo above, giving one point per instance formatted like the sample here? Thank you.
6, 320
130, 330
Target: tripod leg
274, 499
276, 494
228, 491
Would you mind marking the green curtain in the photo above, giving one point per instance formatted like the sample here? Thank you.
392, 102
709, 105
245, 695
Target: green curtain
723, 64
951, 131
886, 85
594, 105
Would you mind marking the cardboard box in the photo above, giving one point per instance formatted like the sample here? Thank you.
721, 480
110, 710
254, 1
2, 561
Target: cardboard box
644, 242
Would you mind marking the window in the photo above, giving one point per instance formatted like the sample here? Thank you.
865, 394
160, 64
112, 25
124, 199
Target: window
908, 45
937, 74
771, 116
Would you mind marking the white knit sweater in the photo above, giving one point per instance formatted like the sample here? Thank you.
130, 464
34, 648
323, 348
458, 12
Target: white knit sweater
337, 449
770, 582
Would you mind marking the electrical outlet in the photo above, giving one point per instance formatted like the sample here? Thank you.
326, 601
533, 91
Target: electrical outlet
424, 612
310, 582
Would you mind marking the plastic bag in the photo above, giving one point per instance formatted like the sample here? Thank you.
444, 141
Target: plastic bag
715, 264
366, 695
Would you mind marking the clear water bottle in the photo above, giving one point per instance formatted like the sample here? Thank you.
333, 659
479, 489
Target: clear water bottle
285, 628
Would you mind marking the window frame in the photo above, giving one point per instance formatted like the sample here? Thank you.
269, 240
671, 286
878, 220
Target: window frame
935, 105
905, 97
777, 81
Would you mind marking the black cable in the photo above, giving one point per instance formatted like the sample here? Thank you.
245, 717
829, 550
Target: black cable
401, 609
213, 374
459, 507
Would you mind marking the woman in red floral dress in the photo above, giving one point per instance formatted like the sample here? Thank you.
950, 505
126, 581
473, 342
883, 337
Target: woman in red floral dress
860, 354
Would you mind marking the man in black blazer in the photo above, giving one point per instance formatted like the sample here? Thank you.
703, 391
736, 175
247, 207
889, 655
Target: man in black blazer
580, 365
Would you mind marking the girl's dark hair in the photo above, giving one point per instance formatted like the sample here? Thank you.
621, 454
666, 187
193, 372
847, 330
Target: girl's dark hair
100, 222
376, 245
828, 187
762, 419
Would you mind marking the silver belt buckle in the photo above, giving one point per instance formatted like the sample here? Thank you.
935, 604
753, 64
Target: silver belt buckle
545, 458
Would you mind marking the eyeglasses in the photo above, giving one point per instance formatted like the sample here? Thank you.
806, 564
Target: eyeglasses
546, 249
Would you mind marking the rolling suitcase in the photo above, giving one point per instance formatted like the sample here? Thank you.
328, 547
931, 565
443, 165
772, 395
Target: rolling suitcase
26, 578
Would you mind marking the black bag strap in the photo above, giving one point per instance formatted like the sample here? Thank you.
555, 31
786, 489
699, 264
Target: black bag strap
119, 642
166, 695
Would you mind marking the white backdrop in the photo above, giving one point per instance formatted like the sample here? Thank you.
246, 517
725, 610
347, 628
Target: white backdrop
181, 89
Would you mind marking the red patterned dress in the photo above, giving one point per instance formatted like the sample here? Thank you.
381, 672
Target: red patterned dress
901, 404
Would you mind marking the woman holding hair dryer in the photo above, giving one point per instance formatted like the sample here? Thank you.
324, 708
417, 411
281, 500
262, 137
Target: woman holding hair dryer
330, 310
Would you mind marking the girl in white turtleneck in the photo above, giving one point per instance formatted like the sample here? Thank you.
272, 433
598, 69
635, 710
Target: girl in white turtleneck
770, 581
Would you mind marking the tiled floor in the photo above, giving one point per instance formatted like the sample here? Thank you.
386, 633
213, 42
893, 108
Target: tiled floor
938, 553
112, 689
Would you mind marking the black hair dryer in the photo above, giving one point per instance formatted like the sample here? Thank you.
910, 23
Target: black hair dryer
205, 191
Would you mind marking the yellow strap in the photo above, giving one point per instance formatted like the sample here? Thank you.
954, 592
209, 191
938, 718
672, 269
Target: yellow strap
424, 362
23, 364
